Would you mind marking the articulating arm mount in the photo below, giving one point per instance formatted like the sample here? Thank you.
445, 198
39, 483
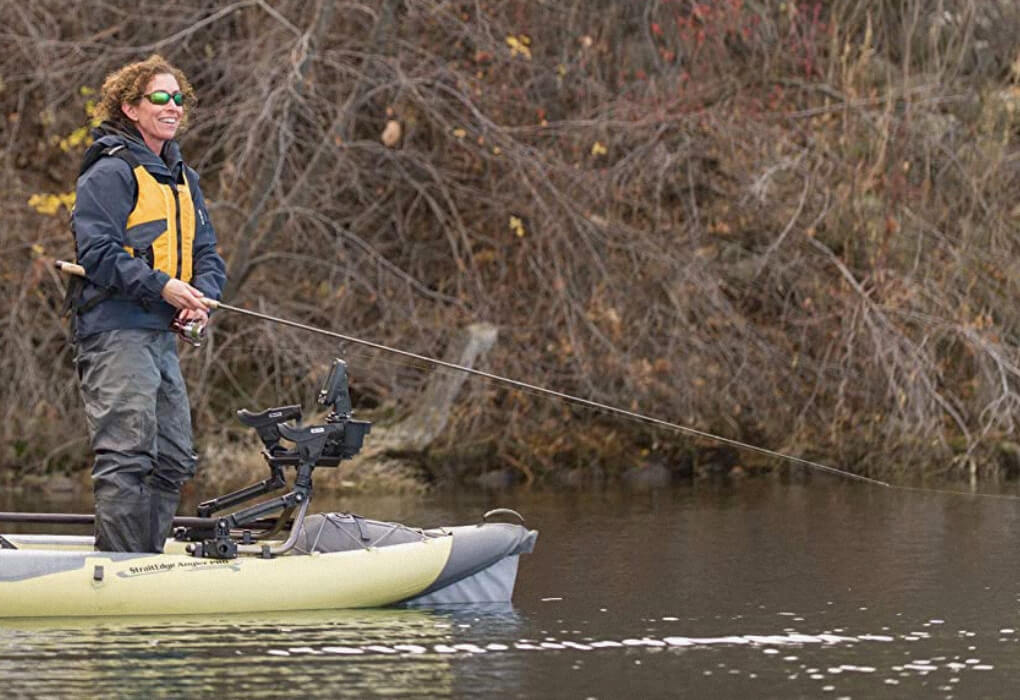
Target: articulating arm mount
325, 445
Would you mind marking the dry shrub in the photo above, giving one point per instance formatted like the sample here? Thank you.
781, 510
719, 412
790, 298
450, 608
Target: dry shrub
788, 224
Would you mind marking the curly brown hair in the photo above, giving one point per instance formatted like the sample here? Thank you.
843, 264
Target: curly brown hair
127, 85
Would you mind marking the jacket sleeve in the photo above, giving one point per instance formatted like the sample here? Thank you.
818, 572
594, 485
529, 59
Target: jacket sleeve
104, 198
208, 271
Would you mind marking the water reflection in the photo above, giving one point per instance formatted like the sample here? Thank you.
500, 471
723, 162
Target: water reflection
316, 654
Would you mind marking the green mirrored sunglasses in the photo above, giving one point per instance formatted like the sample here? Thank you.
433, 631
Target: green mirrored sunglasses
161, 97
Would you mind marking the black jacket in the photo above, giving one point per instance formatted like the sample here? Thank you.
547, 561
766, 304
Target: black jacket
123, 290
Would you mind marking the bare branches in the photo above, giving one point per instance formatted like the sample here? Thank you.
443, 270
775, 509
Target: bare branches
792, 226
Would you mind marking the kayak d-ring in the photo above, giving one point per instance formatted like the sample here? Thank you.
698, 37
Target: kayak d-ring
502, 511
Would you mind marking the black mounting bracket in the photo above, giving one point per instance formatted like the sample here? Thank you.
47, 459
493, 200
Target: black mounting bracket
341, 437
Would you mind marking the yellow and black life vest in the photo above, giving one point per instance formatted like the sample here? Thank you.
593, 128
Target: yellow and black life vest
161, 204
163, 218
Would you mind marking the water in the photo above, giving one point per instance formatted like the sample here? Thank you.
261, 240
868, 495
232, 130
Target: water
752, 589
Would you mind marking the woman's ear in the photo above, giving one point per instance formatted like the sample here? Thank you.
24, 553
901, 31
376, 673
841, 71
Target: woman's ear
129, 110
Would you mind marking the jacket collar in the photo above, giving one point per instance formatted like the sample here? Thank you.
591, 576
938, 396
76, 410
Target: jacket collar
169, 163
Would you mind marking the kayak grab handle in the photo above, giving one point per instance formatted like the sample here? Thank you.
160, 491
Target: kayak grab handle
502, 511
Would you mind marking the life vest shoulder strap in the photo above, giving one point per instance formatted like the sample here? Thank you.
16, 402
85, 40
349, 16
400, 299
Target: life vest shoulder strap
118, 150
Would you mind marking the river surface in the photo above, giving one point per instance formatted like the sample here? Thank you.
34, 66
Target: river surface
751, 589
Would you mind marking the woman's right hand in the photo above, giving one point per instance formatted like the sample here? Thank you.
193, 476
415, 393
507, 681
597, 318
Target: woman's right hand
182, 295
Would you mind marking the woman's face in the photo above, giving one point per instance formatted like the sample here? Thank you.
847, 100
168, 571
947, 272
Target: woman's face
156, 123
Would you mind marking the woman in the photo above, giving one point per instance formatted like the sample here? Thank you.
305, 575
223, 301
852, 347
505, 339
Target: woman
143, 235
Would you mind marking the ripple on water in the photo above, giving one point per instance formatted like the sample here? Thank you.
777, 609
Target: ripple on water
369, 652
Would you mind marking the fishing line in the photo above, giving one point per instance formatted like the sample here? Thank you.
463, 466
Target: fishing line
570, 398
534, 389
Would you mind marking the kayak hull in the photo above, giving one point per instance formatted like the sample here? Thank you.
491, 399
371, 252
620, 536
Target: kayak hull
53, 576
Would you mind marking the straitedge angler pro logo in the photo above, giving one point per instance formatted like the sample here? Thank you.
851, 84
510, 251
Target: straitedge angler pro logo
168, 566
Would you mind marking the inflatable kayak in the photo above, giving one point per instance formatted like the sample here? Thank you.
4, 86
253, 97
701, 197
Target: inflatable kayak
249, 560
339, 561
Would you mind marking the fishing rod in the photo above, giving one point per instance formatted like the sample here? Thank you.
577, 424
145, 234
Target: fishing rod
78, 270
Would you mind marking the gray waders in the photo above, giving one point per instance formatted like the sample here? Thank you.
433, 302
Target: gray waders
137, 409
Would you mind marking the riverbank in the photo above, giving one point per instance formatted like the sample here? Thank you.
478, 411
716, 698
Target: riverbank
223, 469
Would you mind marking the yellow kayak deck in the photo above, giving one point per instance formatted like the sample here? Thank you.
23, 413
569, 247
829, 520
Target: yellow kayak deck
53, 576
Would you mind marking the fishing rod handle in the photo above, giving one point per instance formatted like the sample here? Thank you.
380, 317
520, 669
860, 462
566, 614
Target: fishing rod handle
79, 271
69, 268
